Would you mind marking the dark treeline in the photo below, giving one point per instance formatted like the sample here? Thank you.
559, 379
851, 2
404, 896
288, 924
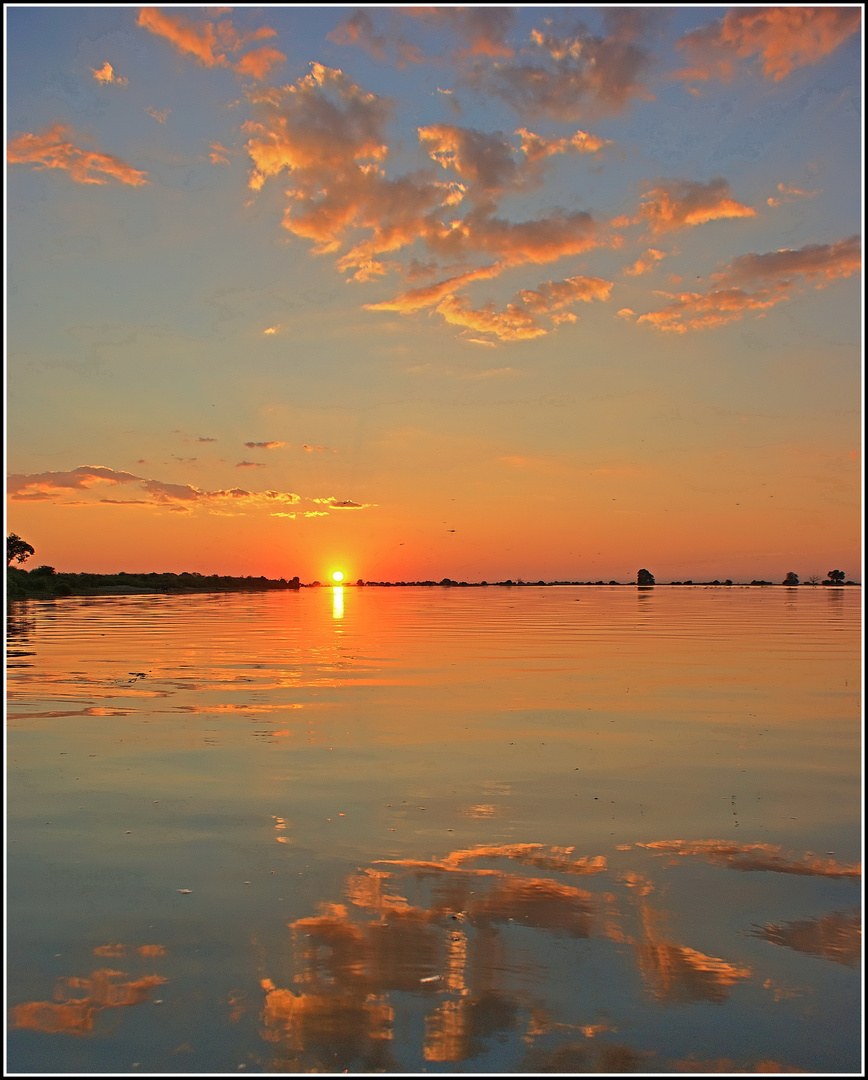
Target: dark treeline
46, 582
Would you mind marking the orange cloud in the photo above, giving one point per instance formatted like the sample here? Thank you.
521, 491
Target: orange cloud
513, 324
202, 40
231, 501
196, 39
519, 321
160, 115
553, 295
273, 445
55, 150
646, 261
260, 63
485, 161
429, 295
771, 279
106, 75
678, 204
789, 193
535, 147
781, 38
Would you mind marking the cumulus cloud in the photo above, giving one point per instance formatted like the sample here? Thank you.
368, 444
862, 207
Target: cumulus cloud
208, 43
756, 283
54, 149
575, 72
329, 134
489, 163
679, 204
106, 75
331, 137
779, 39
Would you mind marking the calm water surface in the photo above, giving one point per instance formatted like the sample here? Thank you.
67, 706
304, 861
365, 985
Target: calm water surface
566, 829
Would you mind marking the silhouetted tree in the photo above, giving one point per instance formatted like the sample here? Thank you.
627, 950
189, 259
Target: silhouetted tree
644, 577
791, 579
837, 577
17, 549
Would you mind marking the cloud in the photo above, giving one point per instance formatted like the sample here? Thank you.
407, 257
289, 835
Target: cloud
678, 204
205, 438
160, 115
482, 30
646, 261
106, 75
758, 282
780, 38
53, 149
790, 193
250, 465
273, 445
487, 163
260, 63
535, 147
219, 154
205, 42
358, 29
340, 504
54, 485
520, 319
429, 295
576, 72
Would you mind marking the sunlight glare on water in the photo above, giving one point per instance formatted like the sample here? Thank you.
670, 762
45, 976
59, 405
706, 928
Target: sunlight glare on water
561, 829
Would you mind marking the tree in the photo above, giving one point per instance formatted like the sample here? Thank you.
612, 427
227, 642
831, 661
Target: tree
17, 549
837, 577
644, 577
791, 579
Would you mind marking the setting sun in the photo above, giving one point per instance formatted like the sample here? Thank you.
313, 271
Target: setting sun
337, 577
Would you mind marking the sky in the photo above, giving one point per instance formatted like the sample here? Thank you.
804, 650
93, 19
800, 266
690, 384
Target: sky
550, 293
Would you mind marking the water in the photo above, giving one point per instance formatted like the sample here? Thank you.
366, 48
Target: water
566, 829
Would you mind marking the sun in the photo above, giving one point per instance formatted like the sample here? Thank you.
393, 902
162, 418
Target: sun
338, 577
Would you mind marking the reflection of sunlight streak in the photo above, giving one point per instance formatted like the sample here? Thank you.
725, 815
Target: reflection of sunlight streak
338, 602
